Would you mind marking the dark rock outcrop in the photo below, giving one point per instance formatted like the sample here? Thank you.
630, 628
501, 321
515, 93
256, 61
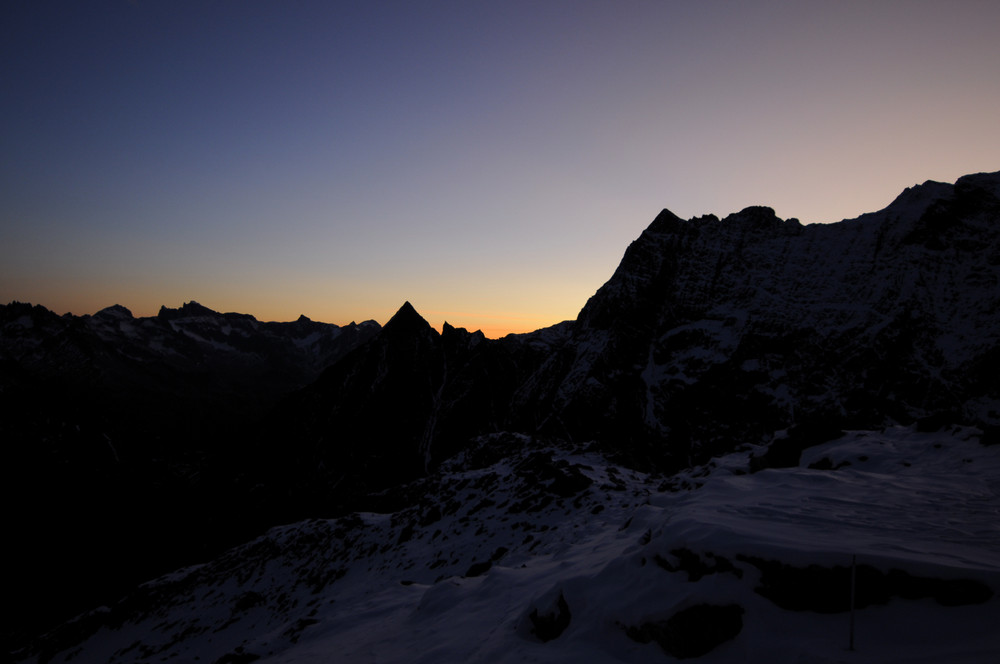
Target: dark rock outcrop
692, 632
828, 589
550, 625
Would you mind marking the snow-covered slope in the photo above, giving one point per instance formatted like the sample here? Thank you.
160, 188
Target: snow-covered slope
521, 550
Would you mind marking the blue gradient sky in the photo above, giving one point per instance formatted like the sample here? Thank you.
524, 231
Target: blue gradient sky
487, 161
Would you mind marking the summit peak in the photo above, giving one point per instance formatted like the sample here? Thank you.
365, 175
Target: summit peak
407, 318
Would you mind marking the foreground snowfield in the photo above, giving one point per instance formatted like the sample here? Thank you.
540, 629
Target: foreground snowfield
516, 527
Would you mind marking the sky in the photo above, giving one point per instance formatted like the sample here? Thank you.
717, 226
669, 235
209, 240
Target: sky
488, 162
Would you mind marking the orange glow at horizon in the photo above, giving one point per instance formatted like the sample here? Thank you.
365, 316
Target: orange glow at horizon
488, 162
493, 326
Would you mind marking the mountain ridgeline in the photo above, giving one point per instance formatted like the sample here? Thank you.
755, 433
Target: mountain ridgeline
711, 335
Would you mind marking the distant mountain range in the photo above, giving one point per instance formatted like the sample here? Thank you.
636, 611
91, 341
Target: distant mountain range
107, 415
712, 336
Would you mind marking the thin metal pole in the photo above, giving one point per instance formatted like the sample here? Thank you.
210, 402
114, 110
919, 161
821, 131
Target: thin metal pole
854, 559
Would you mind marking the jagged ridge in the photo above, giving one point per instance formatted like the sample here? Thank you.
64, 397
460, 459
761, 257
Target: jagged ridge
710, 334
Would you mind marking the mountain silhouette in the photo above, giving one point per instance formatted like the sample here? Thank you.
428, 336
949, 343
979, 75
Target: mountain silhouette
747, 333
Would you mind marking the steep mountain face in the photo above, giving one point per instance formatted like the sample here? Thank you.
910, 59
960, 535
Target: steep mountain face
713, 332
105, 410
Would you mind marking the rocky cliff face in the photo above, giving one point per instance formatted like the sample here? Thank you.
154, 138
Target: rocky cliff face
713, 333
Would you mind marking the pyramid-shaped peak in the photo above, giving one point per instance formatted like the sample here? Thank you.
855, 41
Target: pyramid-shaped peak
407, 310
407, 318
665, 222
